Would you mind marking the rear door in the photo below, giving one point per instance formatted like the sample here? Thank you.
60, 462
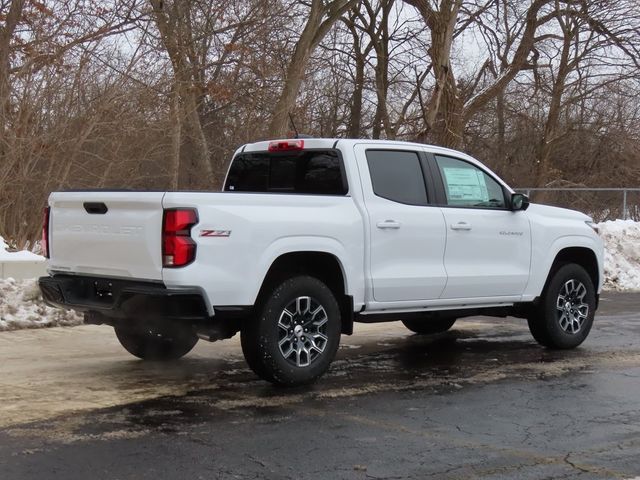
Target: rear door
116, 234
407, 235
488, 252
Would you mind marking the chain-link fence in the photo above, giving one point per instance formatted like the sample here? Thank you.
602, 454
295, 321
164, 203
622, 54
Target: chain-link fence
599, 203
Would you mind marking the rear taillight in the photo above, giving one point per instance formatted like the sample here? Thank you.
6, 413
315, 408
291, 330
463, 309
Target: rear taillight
178, 248
45, 232
286, 145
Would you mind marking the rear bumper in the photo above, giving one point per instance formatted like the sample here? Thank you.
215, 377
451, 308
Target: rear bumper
123, 299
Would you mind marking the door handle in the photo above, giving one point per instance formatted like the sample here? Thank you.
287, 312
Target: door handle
461, 226
388, 224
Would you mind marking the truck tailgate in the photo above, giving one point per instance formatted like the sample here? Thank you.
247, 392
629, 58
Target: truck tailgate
115, 234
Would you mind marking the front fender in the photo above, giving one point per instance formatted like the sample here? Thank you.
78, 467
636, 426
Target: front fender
543, 258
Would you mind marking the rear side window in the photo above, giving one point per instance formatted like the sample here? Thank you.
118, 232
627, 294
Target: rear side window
397, 176
307, 172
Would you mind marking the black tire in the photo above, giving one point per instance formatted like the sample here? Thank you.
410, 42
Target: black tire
265, 340
428, 326
564, 317
156, 344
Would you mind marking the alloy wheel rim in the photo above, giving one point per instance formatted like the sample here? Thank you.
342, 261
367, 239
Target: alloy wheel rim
302, 331
572, 306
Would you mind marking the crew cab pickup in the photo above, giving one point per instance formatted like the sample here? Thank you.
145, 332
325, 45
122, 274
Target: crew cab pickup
309, 236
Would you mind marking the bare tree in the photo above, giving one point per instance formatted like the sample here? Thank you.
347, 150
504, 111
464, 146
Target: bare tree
576, 62
360, 53
445, 22
321, 17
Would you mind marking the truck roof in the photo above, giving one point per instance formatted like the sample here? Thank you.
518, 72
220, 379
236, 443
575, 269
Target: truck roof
263, 146
349, 143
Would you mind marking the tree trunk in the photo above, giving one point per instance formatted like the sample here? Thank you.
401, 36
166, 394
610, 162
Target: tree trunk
381, 47
176, 136
176, 37
381, 94
6, 34
279, 125
544, 167
449, 132
501, 129
314, 31
441, 24
355, 114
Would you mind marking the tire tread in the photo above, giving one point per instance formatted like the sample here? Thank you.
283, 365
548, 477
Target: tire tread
260, 351
543, 323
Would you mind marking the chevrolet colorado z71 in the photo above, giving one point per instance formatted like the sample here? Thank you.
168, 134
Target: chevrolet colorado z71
309, 236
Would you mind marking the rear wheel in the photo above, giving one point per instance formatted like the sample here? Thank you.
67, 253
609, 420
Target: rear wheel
294, 336
429, 326
564, 317
155, 343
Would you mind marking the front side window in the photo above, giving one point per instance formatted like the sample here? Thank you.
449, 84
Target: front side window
466, 185
397, 176
311, 172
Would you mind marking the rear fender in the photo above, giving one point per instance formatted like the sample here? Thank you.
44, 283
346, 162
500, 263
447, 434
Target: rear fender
352, 274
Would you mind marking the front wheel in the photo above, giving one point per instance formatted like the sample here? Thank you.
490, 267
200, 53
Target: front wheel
152, 343
294, 336
567, 307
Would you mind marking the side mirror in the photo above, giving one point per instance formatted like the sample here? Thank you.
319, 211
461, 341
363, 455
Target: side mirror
519, 201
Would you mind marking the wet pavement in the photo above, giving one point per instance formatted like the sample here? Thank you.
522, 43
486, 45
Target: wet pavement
480, 401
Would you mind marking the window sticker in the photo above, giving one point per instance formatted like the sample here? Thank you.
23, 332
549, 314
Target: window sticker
465, 185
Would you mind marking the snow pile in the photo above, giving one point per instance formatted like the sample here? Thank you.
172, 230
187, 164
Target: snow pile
21, 306
622, 254
22, 256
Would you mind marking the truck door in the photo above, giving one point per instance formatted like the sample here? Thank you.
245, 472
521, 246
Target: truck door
488, 250
406, 234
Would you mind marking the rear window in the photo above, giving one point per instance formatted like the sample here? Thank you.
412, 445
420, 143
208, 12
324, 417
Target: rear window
397, 176
316, 172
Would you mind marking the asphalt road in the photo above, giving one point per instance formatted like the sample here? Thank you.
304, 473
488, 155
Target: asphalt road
481, 401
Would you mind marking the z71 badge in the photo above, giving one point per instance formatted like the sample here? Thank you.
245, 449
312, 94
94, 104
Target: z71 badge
215, 233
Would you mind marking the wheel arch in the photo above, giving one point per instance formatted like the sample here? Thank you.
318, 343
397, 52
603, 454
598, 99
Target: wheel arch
322, 265
583, 256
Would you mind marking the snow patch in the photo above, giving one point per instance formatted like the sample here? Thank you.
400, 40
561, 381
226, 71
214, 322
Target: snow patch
21, 306
621, 254
22, 256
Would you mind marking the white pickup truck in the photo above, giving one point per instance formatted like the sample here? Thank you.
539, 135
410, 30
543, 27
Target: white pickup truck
311, 235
